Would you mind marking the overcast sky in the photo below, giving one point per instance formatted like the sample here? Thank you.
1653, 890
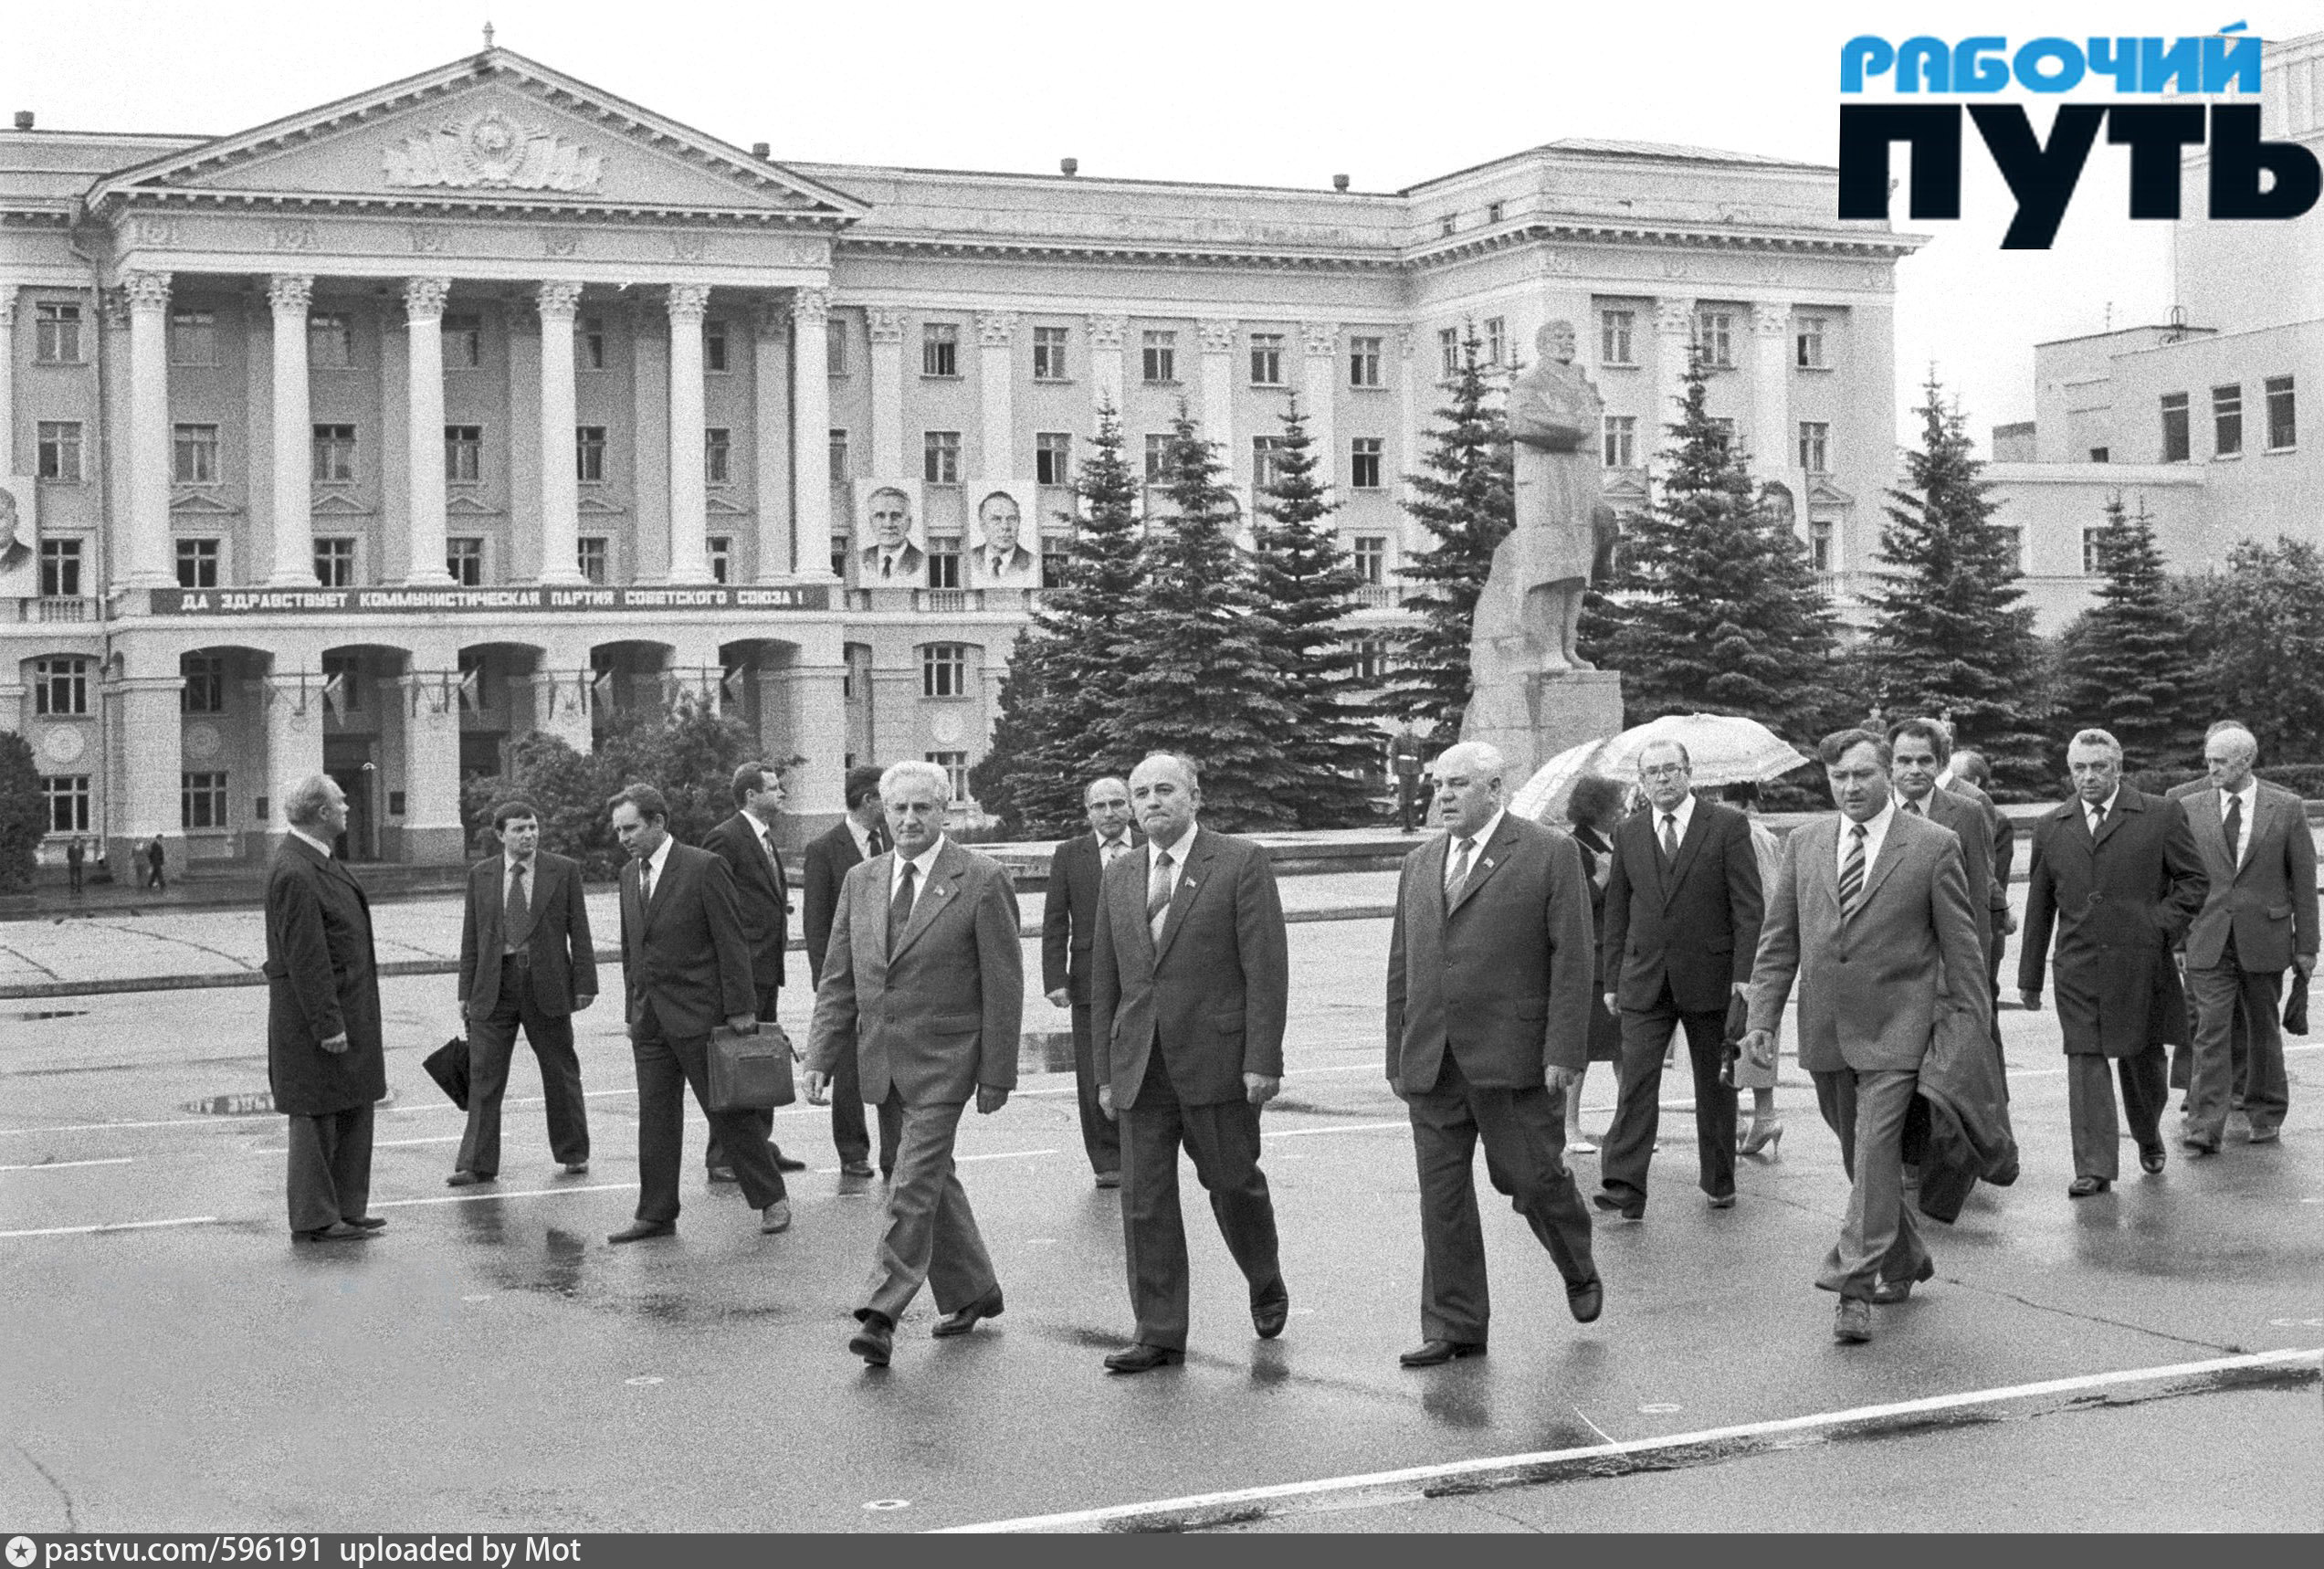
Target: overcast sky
1262, 91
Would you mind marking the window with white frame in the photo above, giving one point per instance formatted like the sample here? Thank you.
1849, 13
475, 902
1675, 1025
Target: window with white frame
718, 454
1815, 446
1621, 441
955, 767
943, 561
1616, 331
1723, 426
334, 454
464, 454
939, 349
1364, 455
57, 452
56, 333
334, 561
64, 800
1495, 341
1369, 552
1052, 457
1448, 351
1158, 353
194, 454
204, 690
1364, 362
464, 343
60, 685
1807, 338
330, 342
1266, 461
2227, 420
588, 454
720, 549
197, 563
2177, 439
201, 800
943, 670
2013, 540
1049, 354
464, 559
194, 338
714, 360
1157, 454
840, 468
2283, 416
592, 356
2093, 550
1266, 359
61, 563
1375, 660
594, 554
1819, 546
1715, 337
940, 456
834, 349
1494, 212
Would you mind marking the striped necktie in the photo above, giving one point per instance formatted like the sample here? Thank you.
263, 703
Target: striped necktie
1158, 892
1852, 872
1459, 879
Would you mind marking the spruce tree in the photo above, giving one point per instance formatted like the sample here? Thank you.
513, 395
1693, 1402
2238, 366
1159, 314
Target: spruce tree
2259, 639
1463, 495
1949, 632
1309, 586
1729, 618
23, 813
1203, 681
2125, 661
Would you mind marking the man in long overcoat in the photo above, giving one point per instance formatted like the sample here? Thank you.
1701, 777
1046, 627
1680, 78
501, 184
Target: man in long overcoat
324, 1054
2117, 875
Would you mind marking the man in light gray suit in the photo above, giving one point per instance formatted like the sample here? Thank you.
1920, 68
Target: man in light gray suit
923, 980
2258, 917
1870, 914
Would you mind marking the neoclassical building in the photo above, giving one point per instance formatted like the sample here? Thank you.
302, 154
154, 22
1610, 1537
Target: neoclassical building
374, 437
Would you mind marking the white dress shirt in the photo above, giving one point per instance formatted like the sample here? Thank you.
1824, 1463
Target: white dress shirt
1683, 812
654, 863
862, 836
923, 866
1108, 850
1875, 833
2249, 796
2093, 815
1479, 839
322, 845
509, 865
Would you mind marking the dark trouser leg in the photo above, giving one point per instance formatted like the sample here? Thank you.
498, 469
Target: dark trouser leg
661, 1123
1877, 1237
931, 1230
551, 1038
2217, 993
1524, 1134
1714, 1102
1994, 990
1224, 1139
1453, 1302
2241, 1043
1099, 1136
762, 1117
848, 1135
2267, 1093
491, 1042
2146, 1091
329, 1172
2089, 1107
1154, 1230
1629, 1144
747, 1149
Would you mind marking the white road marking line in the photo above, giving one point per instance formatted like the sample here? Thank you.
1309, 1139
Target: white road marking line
122, 1127
1242, 1500
1342, 1128
68, 1165
114, 1225
408, 1143
514, 1193
1003, 1155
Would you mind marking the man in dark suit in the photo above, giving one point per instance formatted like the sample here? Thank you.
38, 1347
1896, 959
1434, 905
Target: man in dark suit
1069, 928
526, 957
2259, 917
1969, 774
1870, 914
1681, 925
923, 984
1491, 967
2239, 1033
855, 838
746, 840
686, 966
325, 1058
1920, 750
2116, 873
891, 561
1189, 984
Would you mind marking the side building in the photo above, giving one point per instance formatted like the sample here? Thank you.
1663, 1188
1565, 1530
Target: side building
374, 438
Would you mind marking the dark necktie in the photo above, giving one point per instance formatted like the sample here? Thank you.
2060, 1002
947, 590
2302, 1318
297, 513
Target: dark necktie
888, 566
1670, 838
1158, 895
1852, 872
645, 884
2235, 826
874, 844
1460, 879
899, 909
516, 920
1913, 807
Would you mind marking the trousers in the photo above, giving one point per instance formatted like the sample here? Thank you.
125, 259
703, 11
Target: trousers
2218, 993
327, 1176
932, 1237
492, 1042
1629, 1144
2090, 1102
1877, 1237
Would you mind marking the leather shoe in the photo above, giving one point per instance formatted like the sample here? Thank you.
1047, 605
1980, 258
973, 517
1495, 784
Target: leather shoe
1888, 1293
1587, 1299
577, 1168
718, 1174
1723, 1201
638, 1230
1108, 1179
2151, 1159
775, 1217
369, 1222
988, 1306
874, 1340
2199, 1147
1853, 1325
469, 1179
855, 1168
1616, 1205
783, 1162
338, 1231
1437, 1353
2084, 1187
1269, 1317
1143, 1358
2265, 1135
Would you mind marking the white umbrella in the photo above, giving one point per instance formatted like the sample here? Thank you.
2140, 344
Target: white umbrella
1541, 799
1725, 749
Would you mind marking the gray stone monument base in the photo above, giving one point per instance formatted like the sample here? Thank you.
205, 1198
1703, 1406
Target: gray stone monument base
1533, 717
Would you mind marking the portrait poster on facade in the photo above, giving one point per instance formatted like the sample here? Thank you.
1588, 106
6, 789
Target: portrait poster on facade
19, 538
890, 527
1004, 537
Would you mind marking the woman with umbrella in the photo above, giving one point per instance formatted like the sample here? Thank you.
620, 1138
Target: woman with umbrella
1593, 810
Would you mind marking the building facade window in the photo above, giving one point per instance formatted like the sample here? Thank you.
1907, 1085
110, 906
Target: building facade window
1495, 341
1723, 426
61, 568
718, 454
940, 456
1715, 336
588, 454
1157, 452
1819, 546
1157, 354
464, 559
939, 349
840, 468
834, 349
1616, 331
64, 798
720, 549
1446, 224
1807, 338
1448, 351
335, 561
2098, 454
464, 344
2013, 540
2093, 540
331, 343
463, 454
1057, 555
2283, 416
955, 767
943, 561
201, 800
1494, 211
1052, 457
56, 333
1266, 461
2227, 420
334, 454
1621, 441
592, 356
592, 553
1372, 659
2177, 443
58, 453
1364, 454
1049, 354
714, 348
60, 685
1369, 552
197, 563
1815, 446
1266, 359
194, 454
194, 338
1364, 362
205, 688
943, 670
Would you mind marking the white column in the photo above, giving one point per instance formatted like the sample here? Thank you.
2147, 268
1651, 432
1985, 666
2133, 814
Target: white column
811, 432
1216, 410
287, 295
8, 378
560, 483
770, 443
1321, 342
1769, 424
886, 331
1674, 330
424, 328
1107, 335
433, 834
151, 757
996, 455
689, 491
148, 556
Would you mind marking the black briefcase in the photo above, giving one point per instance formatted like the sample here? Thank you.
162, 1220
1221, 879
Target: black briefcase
448, 1065
2296, 1006
751, 1072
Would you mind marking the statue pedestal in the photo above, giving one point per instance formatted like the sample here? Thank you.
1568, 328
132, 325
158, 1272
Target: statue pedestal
1533, 717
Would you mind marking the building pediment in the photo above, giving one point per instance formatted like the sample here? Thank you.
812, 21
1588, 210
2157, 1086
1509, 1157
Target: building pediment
1823, 493
200, 504
493, 131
